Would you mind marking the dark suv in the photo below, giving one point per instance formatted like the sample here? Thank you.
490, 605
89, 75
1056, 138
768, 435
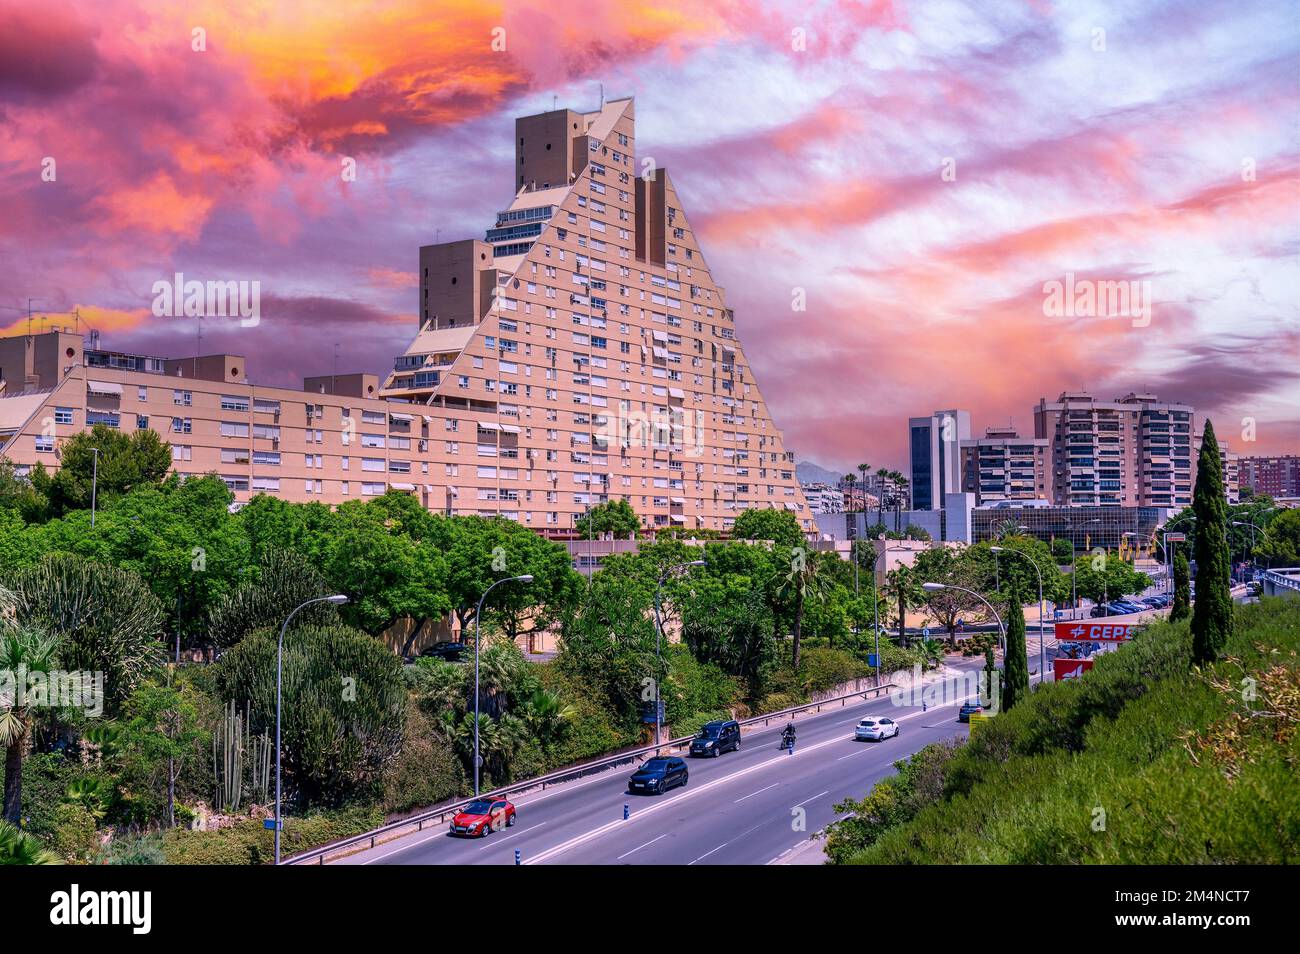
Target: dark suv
658, 774
716, 738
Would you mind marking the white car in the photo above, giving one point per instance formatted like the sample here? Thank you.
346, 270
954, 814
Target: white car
875, 727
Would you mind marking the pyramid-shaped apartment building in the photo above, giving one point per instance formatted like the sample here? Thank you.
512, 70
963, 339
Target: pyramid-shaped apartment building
579, 352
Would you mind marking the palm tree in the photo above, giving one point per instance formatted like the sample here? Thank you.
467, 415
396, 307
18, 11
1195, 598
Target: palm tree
803, 582
848, 482
862, 469
22, 648
546, 714
897, 484
19, 848
882, 475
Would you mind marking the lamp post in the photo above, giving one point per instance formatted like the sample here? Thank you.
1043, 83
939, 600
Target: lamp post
1042, 653
337, 600
94, 482
1002, 632
1074, 566
1164, 545
1253, 528
659, 630
478, 617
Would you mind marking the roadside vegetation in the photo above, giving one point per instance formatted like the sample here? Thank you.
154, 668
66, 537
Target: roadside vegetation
178, 602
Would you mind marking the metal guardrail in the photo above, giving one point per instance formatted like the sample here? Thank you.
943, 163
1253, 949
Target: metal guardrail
1285, 577
439, 815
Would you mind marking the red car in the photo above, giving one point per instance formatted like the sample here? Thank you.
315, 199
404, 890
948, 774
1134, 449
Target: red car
482, 817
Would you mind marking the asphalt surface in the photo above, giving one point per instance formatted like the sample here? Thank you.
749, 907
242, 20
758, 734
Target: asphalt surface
746, 807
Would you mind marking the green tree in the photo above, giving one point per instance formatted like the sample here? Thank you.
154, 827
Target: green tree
727, 621
105, 619
343, 713
904, 589
1280, 544
126, 462
17, 494
23, 650
803, 582
285, 580
1015, 664
1062, 550
779, 526
162, 734
614, 516
1182, 605
1212, 611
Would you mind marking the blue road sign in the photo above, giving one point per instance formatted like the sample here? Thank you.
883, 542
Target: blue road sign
873, 660
270, 824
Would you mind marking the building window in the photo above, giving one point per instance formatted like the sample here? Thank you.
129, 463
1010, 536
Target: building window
63, 415
44, 444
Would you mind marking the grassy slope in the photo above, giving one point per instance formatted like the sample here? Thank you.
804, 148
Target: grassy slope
1143, 761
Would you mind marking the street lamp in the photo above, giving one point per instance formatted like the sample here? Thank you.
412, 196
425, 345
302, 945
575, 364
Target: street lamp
1253, 527
659, 630
1042, 654
478, 616
1164, 545
936, 587
337, 600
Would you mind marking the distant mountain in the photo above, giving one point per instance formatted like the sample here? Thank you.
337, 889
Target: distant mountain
810, 473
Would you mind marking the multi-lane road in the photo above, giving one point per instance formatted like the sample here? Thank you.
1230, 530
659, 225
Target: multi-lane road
746, 807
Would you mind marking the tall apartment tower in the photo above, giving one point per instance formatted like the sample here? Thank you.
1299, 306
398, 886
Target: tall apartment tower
588, 323
579, 352
1133, 451
1002, 465
935, 456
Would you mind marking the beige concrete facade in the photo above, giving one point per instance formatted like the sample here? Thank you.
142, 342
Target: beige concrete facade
1002, 465
580, 353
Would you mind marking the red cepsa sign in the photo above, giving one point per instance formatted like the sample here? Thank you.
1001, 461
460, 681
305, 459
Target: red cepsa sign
1070, 668
1084, 632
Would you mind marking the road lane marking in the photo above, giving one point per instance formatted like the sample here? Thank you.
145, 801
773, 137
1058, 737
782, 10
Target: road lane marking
639, 847
851, 754
726, 843
807, 800
577, 840
759, 792
603, 776
522, 831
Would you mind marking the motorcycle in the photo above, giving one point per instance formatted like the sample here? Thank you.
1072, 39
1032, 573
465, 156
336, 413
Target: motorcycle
787, 741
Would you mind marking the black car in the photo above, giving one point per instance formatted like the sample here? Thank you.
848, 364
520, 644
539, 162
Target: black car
717, 737
657, 775
451, 652
969, 708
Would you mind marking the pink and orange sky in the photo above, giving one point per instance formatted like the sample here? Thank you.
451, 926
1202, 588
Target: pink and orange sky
1155, 142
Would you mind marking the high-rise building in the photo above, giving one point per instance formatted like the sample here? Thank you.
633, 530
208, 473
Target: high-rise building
935, 456
1002, 465
580, 352
1271, 476
1135, 450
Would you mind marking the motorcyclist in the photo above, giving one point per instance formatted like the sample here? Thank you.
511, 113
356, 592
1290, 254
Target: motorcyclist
787, 734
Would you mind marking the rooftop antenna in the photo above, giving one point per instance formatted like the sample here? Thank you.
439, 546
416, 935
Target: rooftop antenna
334, 385
602, 95
555, 101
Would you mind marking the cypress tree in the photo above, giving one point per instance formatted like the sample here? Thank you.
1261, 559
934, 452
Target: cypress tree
1212, 611
1015, 664
1182, 606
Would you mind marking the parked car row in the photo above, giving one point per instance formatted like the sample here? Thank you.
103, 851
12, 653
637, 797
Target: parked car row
1128, 605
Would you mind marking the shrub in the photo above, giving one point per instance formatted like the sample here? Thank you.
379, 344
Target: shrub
133, 850
342, 724
248, 843
426, 771
74, 838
